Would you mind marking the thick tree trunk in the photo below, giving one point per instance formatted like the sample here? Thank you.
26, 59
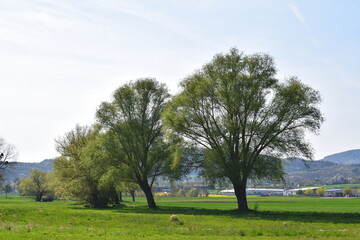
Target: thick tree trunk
149, 196
99, 201
115, 198
38, 197
240, 193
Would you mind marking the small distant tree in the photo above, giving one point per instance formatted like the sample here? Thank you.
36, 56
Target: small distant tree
194, 192
321, 192
7, 188
2, 179
309, 192
181, 192
36, 185
299, 192
132, 193
131, 188
347, 191
173, 188
206, 193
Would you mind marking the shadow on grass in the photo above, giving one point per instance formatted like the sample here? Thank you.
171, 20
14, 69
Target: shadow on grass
325, 217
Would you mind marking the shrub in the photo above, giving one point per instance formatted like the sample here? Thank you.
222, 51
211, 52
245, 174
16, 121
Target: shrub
347, 192
309, 192
299, 192
181, 192
194, 192
321, 192
48, 199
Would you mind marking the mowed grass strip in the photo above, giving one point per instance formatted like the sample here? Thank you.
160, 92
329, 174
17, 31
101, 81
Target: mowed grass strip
198, 218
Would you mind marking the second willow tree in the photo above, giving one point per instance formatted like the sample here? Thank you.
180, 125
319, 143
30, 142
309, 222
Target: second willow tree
134, 130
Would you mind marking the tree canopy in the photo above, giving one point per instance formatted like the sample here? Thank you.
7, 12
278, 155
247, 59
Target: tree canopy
134, 129
37, 185
83, 170
244, 118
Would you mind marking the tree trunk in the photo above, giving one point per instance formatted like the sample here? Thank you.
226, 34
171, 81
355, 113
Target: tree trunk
132, 193
120, 196
240, 193
115, 198
38, 197
149, 196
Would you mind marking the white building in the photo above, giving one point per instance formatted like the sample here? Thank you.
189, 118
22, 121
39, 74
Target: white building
292, 192
256, 191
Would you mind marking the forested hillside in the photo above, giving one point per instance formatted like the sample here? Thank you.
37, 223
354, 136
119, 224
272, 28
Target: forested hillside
22, 169
335, 168
348, 157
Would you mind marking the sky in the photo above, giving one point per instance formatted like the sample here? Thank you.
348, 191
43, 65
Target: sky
60, 59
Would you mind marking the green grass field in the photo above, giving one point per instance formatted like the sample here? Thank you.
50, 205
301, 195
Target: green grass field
199, 218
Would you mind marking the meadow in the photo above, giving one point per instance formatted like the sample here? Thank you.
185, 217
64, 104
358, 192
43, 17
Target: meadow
198, 218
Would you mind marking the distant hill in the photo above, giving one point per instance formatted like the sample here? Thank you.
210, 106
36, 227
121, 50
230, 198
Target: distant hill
345, 164
299, 165
324, 171
331, 168
348, 157
23, 169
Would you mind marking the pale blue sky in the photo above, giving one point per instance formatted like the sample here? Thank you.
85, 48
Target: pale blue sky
60, 59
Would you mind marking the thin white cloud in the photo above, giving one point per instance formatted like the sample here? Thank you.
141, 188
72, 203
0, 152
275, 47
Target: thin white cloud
297, 12
301, 18
150, 15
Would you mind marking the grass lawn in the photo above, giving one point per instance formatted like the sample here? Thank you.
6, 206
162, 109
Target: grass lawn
199, 218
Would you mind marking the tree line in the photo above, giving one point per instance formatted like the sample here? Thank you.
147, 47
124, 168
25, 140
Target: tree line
233, 119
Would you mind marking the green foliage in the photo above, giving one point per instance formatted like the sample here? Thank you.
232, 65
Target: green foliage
194, 192
135, 139
181, 192
244, 118
347, 191
309, 192
83, 171
37, 185
321, 192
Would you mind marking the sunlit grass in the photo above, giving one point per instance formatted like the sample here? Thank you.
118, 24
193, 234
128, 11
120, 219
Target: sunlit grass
199, 218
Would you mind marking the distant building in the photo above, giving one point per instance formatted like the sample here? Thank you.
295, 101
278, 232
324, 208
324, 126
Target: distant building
292, 192
331, 192
334, 192
256, 191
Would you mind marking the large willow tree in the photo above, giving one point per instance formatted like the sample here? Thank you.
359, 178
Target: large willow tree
244, 118
134, 127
